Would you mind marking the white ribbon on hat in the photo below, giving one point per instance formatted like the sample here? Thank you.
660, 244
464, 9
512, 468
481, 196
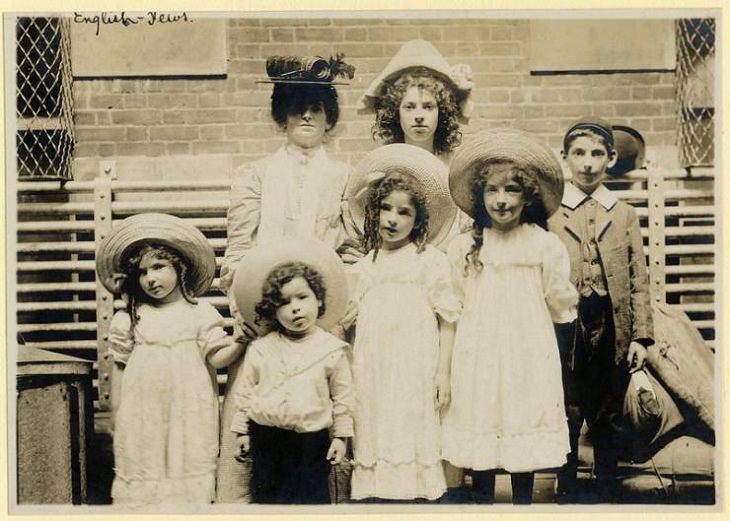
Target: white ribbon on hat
461, 75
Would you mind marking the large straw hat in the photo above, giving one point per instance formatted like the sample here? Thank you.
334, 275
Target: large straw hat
161, 228
423, 167
310, 70
505, 144
258, 263
420, 54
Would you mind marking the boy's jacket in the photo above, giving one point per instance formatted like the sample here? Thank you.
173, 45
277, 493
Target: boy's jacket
620, 247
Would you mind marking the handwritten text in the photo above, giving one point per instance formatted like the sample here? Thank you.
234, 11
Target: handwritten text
125, 19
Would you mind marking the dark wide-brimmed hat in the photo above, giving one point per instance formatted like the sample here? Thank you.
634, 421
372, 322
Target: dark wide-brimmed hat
161, 228
260, 261
509, 145
630, 150
309, 70
424, 168
416, 56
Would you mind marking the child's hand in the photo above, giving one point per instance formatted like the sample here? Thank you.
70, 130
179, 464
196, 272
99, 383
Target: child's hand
351, 251
246, 333
442, 391
336, 452
350, 316
243, 444
636, 357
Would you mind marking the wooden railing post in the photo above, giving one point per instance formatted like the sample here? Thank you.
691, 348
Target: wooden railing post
104, 299
657, 236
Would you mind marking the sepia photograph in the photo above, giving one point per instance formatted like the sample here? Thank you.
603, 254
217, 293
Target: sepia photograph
363, 262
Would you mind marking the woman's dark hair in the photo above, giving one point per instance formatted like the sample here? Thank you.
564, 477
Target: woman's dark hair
294, 99
533, 212
130, 287
387, 125
388, 185
271, 298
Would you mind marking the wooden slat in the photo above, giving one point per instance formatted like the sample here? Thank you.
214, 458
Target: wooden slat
56, 266
690, 249
55, 226
631, 195
175, 206
689, 210
69, 246
696, 307
74, 305
56, 208
684, 194
689, 231
170, 186
57, 326
55, 186
64, 345
704, 324
691, 287
691, 269
47, 287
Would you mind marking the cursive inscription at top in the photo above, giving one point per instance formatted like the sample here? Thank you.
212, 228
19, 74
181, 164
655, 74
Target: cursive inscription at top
126, 19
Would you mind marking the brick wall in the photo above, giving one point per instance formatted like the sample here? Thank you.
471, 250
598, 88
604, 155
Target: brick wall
231, 116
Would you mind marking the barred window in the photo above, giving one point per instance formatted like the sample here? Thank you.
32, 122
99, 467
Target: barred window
44, 100
696, 91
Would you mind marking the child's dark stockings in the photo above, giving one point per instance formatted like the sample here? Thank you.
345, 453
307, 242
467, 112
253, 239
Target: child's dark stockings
483, 486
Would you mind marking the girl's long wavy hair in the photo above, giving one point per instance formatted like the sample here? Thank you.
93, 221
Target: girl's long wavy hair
388, 185
387, 125
131, 290
533, 212
271, 298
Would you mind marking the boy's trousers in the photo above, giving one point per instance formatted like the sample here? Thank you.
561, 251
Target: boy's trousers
289, 467
594, 387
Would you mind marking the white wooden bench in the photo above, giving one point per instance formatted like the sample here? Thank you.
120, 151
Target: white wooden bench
61, 307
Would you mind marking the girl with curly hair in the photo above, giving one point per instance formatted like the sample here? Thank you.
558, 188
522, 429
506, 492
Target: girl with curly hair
166, 347
513, 279
405, 321
419, 99
418, 109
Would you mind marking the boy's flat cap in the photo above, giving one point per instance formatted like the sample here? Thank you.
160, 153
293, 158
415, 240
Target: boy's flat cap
597, 125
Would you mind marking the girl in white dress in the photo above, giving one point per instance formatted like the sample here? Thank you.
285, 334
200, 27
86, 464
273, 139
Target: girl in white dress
166, 347
406, 314
512, 276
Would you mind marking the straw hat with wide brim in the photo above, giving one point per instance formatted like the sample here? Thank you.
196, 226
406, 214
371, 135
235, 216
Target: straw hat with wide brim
424, 168
160, 228
259, 262
415, 55
504, 144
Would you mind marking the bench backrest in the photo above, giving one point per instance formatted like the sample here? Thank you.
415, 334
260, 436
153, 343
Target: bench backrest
61, 306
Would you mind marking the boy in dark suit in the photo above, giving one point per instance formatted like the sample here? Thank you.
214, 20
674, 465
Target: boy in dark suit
614, 325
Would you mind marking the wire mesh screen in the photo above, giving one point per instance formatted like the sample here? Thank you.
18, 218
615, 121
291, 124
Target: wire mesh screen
695, 90
44, 100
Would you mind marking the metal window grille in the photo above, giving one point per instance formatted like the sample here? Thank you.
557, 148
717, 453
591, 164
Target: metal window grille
695, 90
44, 100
